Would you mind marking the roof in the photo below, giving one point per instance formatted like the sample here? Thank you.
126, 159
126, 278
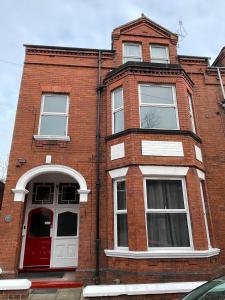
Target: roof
219, 57
145, 19
68, 48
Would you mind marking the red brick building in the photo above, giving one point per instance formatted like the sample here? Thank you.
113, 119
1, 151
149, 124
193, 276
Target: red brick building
117, 162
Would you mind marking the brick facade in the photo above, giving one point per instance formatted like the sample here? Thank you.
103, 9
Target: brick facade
74, 72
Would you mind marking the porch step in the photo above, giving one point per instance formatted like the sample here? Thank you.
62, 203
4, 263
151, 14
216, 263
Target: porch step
52, 280
57, 284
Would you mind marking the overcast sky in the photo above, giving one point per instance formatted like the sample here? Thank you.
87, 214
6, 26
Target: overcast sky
88, 23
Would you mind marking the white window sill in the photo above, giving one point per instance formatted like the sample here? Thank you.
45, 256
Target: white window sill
140, 289
163, 253
51, 138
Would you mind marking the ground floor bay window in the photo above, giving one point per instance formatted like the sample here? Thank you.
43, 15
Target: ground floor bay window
167, 217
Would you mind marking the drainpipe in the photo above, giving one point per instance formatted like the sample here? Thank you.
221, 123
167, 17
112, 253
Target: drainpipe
97, 239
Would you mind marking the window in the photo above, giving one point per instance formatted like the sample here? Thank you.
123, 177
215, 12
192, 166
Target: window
120, 218
54, 115
167, 216
191, 114
117, 111
131, 52
158, 106
43, 193
159, 54
68, 193
67, 224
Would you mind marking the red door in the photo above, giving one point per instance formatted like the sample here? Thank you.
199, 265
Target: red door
38, 240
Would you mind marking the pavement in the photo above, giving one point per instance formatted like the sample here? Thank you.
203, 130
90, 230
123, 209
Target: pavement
56, 294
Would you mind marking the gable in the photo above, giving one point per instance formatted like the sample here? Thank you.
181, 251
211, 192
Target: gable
144, 29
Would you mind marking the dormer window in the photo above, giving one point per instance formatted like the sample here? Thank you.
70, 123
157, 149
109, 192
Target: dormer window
159, 54
132, 52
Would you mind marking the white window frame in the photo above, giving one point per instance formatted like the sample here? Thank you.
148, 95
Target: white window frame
132, 44
191, 112
185, 210
42, 113
114, 111
174, 105
117, 212
158, 60
204, 212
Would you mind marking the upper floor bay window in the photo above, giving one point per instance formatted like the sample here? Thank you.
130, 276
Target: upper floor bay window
120, 214
159, 54
117, 110
54, 115
192, 119
168, 222
132, 52
158, 109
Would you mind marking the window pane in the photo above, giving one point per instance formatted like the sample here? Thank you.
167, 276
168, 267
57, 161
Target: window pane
132, 50
43, 193
165, 194
67, 224
167, 230
118, 121
122, 230
157, 94
68, 193
129, 58
40, 223
121, 195
53, 125
158, 117
118, 98
158, 52
55, 103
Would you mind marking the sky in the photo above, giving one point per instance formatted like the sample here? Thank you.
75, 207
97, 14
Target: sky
88, 24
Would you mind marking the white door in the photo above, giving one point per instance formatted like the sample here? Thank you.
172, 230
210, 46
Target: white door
66, 237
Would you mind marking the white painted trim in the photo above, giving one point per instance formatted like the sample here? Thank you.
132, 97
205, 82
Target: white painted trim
117, 151
162, 148
164, 170
162, 253
122, 172
14, 284
51, 137
113, 111
20, 194
201, 174
198, 153
19, 191
140, 289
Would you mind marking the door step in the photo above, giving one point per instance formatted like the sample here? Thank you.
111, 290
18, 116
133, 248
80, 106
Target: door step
55, 284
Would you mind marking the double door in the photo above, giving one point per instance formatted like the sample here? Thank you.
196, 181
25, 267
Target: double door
51, 230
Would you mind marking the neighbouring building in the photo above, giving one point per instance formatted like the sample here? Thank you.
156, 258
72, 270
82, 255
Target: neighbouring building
117, 165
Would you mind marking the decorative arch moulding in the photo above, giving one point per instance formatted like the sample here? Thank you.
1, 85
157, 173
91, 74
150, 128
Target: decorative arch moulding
20, 189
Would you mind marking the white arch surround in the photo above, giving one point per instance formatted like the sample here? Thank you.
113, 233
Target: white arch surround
20, 189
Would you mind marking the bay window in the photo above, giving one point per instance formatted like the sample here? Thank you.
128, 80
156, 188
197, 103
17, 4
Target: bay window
131, 52
191, 114
54, 115
120, 214
167, 218
158, 109
159, 54
117, 110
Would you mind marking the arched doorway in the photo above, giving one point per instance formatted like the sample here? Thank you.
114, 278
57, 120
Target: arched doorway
50, 235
